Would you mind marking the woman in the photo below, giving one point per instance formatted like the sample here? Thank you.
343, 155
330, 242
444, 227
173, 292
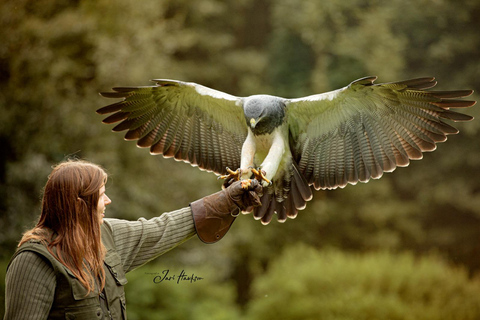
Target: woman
72, 264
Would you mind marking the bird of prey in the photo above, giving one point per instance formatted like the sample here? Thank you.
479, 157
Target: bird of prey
322, 141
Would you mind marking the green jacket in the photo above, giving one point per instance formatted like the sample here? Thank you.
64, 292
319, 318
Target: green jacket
130, 245
71, 300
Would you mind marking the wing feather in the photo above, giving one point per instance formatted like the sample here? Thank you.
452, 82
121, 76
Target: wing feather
352, 174
186, 121
338, 174
363, 130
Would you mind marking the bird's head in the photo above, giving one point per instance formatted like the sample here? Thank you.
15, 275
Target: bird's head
263, 113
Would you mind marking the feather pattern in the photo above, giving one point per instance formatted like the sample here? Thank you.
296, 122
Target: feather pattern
181, 120
370, 128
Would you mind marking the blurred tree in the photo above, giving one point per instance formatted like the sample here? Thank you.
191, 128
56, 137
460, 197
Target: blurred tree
48, 67
56, 55
304, 283
291, 62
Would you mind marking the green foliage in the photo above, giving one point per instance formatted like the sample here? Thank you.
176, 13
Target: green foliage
304, 283
179, 298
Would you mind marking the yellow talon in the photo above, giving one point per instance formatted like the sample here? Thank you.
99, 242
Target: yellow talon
231, 174
260, 175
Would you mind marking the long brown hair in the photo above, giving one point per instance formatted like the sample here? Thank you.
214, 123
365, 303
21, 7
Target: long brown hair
69, 224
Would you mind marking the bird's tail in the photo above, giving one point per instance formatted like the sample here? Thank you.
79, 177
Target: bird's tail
285, 197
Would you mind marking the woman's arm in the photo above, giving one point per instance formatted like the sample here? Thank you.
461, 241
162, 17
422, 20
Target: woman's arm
138, 242
30, 288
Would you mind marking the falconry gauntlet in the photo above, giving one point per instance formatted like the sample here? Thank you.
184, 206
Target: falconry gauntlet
213, 215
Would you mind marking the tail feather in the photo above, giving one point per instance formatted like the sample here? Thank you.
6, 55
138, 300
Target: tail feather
281, 211
293, 196
301, 183
270, 212
291, 208
300, 190
259, 212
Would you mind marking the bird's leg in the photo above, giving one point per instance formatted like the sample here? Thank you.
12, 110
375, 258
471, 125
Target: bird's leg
243, 173
248, 153
260, 175
270, 164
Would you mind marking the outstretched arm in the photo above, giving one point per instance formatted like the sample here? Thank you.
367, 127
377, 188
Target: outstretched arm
138, 242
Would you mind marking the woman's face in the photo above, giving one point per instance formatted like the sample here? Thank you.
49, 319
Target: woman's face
103, 202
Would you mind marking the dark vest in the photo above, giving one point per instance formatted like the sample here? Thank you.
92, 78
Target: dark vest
71, 300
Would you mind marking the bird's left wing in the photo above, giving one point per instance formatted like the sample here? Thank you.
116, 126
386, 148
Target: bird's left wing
183, 120
358, 132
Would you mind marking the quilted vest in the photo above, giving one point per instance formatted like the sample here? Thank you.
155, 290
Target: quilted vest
71, 300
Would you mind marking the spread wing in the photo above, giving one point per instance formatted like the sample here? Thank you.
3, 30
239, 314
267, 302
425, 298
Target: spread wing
358, 132
186, 121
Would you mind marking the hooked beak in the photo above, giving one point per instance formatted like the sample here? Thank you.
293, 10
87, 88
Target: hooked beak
253, 123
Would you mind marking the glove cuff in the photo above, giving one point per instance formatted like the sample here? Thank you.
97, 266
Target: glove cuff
210, 224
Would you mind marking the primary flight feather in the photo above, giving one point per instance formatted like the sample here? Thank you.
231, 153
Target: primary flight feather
325, 141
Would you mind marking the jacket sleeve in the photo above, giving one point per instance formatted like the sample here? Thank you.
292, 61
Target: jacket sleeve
29, 288
138, 242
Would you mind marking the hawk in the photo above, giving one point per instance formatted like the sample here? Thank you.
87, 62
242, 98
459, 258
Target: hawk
324, 141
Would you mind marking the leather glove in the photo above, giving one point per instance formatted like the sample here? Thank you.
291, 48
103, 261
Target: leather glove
213, 215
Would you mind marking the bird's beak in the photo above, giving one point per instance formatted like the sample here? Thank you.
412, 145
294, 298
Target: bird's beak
253, 123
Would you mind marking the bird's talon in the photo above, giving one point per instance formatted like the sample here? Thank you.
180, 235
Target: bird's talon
260, 176
235, 175
232, 172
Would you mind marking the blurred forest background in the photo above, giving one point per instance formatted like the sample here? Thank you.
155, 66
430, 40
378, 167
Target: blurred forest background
395, 248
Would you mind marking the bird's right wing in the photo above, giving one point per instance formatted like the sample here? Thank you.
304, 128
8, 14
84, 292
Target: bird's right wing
183, 120
358, 132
